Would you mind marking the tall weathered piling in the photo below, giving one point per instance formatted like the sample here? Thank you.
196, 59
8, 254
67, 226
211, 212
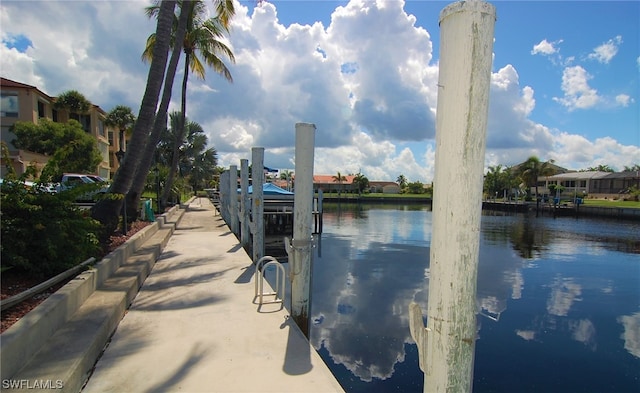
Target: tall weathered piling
233, 199
224, 195
244, 203
257, 208
299, 249
447, 346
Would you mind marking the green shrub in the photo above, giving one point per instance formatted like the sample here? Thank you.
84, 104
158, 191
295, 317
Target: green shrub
43, 234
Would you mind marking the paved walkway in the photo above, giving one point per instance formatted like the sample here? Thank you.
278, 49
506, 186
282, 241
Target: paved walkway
193, 327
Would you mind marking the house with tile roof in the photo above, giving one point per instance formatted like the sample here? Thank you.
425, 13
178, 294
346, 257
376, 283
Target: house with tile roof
328, 183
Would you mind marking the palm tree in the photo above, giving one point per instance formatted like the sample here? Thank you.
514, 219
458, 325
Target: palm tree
402, 181
339, 179
361, 182
531, 170
74, 102
160, 123
122, 118
203, 168
511, 180
601, 168
286, 175
205, 37
223, 8
107, 209
493, 180
632, 168
196, 162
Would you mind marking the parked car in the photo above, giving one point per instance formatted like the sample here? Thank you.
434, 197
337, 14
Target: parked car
72, 180
27, 184
98, 179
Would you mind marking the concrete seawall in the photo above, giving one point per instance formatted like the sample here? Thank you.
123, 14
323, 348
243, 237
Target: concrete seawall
618, 213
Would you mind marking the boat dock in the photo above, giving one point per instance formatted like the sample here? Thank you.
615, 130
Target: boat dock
194, 325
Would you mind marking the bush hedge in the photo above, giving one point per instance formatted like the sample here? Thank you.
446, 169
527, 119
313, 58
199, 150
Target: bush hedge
43, 234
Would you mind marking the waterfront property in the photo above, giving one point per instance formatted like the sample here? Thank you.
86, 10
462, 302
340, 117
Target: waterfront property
595, 184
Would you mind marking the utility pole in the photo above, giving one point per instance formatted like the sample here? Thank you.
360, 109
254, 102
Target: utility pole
299, 249
447, 345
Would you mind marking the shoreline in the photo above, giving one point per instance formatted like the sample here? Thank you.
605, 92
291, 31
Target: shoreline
625, 213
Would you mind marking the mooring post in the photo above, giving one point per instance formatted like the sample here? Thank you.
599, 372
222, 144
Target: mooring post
257, 209
299, 249
224, 196
233, 199
466, 44
244, 203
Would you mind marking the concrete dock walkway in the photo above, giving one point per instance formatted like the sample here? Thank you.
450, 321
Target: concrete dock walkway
193, 327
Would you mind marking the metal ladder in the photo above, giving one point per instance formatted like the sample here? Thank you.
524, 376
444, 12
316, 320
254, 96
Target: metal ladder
278, 294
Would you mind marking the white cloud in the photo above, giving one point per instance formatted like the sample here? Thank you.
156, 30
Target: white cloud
575, 151
509, 109
372, 99
92, 47
577, 92
624, 100
22, 66
605, 52
545, 48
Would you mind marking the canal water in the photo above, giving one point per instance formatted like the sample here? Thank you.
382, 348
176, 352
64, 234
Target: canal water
558, 300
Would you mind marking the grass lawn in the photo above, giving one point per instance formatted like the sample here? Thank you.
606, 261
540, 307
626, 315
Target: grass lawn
345, 195
587, 202
611, 203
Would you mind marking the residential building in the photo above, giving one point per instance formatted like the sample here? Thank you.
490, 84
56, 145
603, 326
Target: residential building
327, 183
22, 102
594, 184
385, 187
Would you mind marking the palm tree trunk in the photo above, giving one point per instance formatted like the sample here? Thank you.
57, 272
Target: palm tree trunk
106, 211
179, 135
161, 118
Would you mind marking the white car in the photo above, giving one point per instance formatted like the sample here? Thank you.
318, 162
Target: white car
72, 180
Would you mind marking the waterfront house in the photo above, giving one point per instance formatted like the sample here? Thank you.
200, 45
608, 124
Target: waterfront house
594, 184
327, 183
385, 187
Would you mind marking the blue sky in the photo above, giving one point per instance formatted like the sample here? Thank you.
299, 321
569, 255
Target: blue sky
565, 78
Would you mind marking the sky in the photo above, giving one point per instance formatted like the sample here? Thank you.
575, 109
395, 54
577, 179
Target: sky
565, 81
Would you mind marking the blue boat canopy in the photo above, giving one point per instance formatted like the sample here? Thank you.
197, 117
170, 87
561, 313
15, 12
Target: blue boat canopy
269, 189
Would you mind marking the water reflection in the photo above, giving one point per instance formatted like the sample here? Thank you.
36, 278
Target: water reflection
558, 297
631, 334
